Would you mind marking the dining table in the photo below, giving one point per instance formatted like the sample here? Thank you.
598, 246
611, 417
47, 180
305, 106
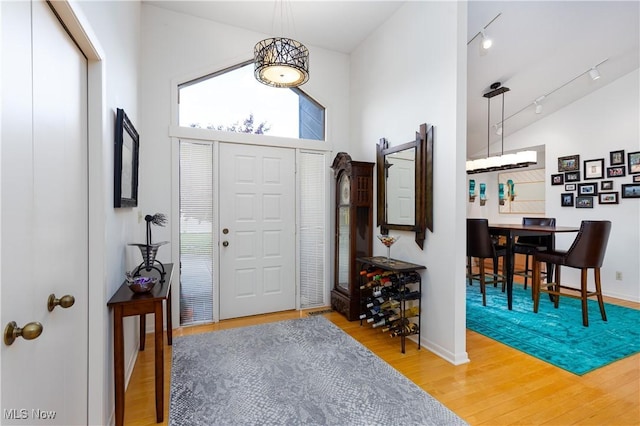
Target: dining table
512, 230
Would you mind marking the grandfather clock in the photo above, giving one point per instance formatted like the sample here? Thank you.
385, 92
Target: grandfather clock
354, 223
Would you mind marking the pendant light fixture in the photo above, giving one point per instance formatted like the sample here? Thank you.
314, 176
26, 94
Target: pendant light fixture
502, 161
281, 61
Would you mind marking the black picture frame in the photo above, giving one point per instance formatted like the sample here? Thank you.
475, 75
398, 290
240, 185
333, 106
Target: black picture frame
631, 190
608, 198
566, 199
584, 202
589, 189
616, 158
125, 162
616, 171
606, 185
594, 169
569, 163
572, 176
636, 178
570, 187
557, 179
633, 163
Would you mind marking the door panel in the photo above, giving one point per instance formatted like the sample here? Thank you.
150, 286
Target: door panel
44, 216
257, 205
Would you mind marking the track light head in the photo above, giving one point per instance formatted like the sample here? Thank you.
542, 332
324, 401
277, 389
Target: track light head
594, 73
486, 42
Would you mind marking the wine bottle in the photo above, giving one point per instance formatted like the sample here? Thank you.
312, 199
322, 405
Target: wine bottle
411, 328
390, 304
376, 301
369, 313
386, 321
411, 312
382, 315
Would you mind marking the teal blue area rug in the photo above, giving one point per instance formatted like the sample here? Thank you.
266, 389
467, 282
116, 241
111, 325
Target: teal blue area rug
555, 335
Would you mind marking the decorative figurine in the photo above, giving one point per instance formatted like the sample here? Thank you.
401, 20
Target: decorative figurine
150, 249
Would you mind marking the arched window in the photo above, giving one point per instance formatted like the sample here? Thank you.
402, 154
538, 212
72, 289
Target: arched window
232, 100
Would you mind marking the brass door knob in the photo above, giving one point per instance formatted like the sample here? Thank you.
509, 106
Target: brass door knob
65, 301
28, 332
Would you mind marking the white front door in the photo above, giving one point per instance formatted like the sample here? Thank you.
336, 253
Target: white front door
257, 230
44, 219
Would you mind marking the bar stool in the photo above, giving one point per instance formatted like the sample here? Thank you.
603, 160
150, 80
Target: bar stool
481, 246
586, 252
528, 245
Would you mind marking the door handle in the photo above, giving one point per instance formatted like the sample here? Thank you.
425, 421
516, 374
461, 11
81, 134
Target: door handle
28, 332
65, 302
225, 243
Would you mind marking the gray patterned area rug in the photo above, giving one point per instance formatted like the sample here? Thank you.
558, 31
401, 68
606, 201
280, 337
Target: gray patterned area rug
297, 372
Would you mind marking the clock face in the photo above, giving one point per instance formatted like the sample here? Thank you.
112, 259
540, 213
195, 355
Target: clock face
345, 190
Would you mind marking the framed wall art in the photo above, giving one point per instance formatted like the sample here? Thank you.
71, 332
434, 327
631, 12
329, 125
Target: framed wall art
569, 163
125, 171
633, 162
584, 202
617, 171
631, 190
636, 178
606, 185
557, 179
588, 188
594, 169
566, 199
572, 176
570, 187
608, 198
616, 158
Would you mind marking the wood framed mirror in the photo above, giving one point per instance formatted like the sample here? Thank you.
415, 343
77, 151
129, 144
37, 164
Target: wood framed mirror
405, 185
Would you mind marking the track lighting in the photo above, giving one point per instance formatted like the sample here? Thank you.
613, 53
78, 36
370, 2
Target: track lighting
594, 74
486, 41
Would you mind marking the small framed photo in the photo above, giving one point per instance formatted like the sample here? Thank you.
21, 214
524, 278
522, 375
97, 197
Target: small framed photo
572, 176
633, 162
606, 185
566, 200
631, 190
594, 169
617, 171
569, 163
608, 198
557, 179
570, 187
616, 158
588, 188
636, 178
584, 202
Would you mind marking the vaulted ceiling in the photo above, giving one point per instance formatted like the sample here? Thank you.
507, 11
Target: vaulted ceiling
540, 48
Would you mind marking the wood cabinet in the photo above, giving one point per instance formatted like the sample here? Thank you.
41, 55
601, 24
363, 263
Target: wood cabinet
354, 228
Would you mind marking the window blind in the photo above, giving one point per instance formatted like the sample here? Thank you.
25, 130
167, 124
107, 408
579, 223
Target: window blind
196, 232
313, 224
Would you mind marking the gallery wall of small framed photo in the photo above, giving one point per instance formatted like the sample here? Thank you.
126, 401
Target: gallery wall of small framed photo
557, 179
594, 169
608, 198
633, 162
572, 176
570, 187
569, 163
566, 199
636, 178
584, 202
617, 171
616, 158
588, 188
606, 185
631, 190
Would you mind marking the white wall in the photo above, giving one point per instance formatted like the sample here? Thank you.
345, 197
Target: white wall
604, 121
412, 70
109, 255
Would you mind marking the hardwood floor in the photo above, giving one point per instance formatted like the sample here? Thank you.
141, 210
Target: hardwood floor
500, 386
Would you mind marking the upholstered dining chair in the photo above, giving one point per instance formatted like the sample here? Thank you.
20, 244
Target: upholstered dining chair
480, 245
586, 252
528, 245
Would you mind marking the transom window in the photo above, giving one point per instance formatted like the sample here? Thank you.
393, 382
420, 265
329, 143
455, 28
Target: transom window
232, 100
